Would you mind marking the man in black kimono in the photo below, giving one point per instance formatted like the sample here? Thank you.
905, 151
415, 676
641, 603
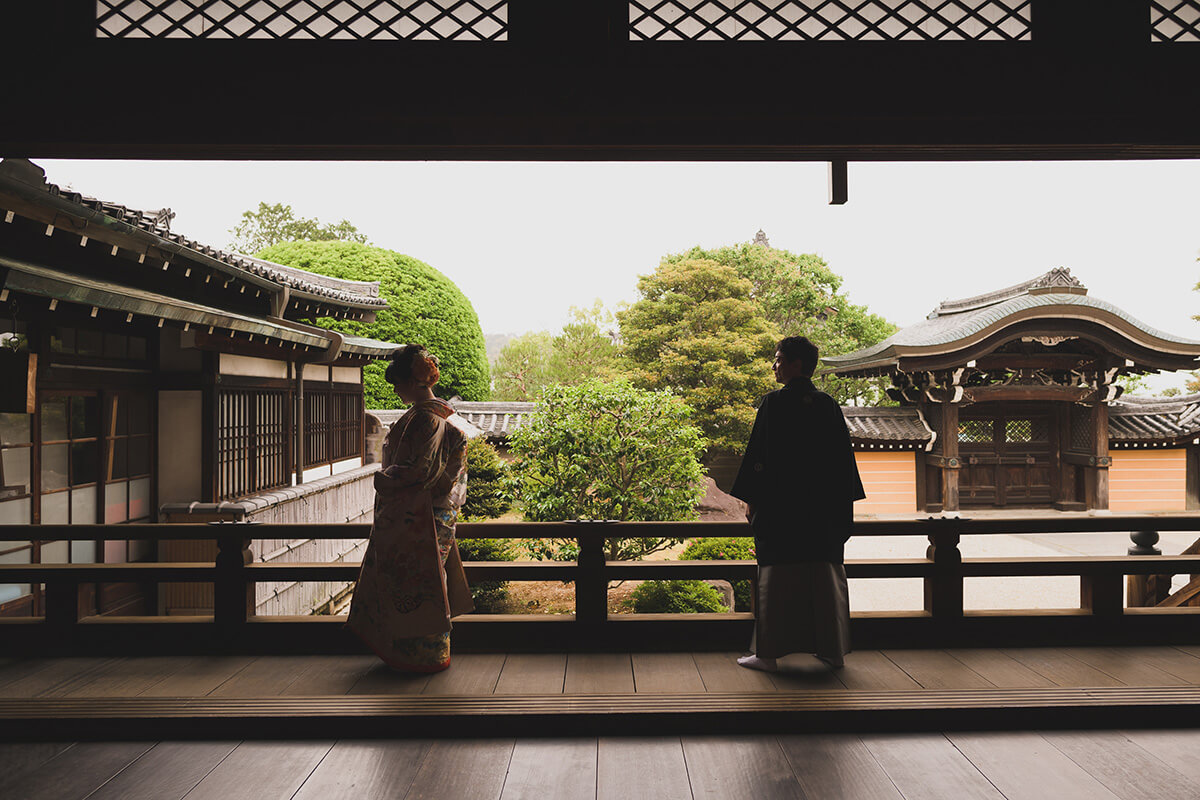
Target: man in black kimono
800, 480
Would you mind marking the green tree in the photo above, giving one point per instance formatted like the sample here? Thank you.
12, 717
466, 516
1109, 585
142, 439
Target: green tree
697, 332
584, 349
676, 597
272, 224
423, 306
800, 295
609, 451
487, 482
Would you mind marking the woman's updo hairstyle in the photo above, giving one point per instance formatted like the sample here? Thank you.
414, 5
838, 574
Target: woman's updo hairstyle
412, 363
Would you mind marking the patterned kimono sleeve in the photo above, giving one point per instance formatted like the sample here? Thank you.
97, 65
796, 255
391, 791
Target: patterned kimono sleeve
412, 456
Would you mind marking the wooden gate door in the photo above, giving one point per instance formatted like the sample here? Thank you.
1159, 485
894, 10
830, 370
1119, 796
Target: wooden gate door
1006, 458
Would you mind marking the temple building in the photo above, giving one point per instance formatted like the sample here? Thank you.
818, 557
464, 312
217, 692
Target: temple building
1009, 400
150, 378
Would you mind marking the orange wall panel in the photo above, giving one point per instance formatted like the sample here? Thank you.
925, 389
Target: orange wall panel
890, 480
1148, 480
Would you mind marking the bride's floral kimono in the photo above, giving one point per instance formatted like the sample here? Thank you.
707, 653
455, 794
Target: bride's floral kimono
412, 580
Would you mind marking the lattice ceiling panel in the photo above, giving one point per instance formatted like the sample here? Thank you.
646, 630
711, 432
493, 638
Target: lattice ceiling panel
829, 20
1174, 21
460, 20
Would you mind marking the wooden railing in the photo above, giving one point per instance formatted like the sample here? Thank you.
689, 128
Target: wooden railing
1101, 615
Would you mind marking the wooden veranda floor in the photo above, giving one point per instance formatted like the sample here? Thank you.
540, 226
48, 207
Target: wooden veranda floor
568, 726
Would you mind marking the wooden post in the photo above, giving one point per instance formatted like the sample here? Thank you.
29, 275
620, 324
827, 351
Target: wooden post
1101, 595
944, 589
1146, 590
591, 587
950, 453
233, 595
62, 603
1096, 484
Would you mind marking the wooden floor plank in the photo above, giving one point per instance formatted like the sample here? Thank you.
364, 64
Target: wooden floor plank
1130, 665
722, 767
871, 669
1176, 748
76, 772
837, 765
330, 675
599, 673
929, 767
382, 679
20, 758
1000, 670
198, 676
1058, 666
721, 673
532, 673
662, 673
800, 673
564, 769
124, 677
52, 674
167, 772
1024, 766
937, 669
629, 768
1127, 770
262, 771
20, 668
355, 770
462, 769
1174, 661
469, 673
266, 676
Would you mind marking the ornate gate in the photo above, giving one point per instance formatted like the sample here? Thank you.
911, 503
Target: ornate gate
1007, 458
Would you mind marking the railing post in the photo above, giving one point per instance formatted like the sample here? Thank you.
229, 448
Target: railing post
62, 603
1146, 590
1101, 595
591, 586
944, 589
233, 594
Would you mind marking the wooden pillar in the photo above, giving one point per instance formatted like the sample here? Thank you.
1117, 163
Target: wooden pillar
591, 586
1096, 484
944, 588
233, 595
950, 466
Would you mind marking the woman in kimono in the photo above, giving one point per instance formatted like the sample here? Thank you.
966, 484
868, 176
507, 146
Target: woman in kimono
412, 582
800, 480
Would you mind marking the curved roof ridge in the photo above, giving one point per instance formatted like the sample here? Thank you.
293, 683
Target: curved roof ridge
1058, 277
365, 288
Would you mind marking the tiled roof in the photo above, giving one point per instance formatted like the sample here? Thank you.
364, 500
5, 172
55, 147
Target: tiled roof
496, 419
1154, 419
953, 321
899, 425
361, 294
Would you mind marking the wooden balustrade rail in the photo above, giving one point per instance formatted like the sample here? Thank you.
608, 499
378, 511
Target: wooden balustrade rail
943, 570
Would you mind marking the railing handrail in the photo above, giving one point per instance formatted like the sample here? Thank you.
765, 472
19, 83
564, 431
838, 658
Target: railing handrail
590, 530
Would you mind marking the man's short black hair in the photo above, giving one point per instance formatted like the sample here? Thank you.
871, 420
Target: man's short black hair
798, 347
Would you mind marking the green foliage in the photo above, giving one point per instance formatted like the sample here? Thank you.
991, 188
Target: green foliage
489, 596
799, 295
1133, 384
725, 548
676, 597
272, 224
487, 482
424, 306
584, 349
609, 451
697, 332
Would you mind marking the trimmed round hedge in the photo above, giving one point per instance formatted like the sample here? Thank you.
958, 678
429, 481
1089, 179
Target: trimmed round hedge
675, 597
424, 306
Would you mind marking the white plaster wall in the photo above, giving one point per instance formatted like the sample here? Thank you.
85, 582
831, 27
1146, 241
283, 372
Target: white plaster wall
179, 446
253, 367
347, 465
347, 374
313, 474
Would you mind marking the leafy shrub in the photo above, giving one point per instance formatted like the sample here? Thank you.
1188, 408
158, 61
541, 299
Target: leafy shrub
487, 482
489, 596
424, 306
675, 597
725, 548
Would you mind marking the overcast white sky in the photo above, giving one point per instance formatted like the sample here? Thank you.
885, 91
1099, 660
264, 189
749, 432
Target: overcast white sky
525, 241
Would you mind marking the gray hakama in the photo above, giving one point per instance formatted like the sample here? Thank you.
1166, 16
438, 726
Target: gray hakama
802, 608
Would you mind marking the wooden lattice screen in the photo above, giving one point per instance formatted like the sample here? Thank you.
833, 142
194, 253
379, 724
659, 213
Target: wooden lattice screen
1175, 20
459, 20
829, 20
252, 442
332, 426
